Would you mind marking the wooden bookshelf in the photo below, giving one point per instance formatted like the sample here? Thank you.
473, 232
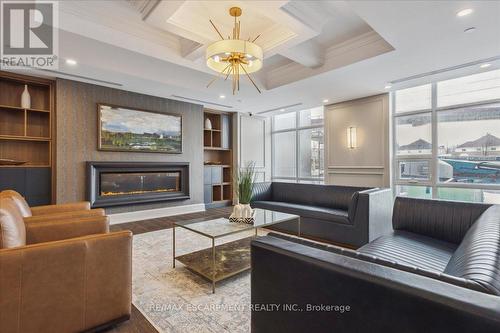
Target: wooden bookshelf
218, 157
26, 134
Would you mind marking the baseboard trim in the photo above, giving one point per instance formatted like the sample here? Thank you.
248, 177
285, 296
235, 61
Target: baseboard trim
154, 213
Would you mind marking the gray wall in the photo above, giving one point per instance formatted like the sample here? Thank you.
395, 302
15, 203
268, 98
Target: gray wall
76, 139
368, 164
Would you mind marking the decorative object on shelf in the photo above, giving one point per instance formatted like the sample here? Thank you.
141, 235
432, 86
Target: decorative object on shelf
229, 56
352, 141
244, 178
8, 161
135, 130
208, 124
25, 98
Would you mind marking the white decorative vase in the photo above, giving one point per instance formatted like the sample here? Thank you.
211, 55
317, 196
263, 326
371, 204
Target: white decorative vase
246, 211
237, 211
26, 98
208, 124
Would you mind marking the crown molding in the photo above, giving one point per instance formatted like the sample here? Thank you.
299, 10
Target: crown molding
364, 46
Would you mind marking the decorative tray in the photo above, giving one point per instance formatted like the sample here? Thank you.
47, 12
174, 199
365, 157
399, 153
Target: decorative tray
246, 220
7, 161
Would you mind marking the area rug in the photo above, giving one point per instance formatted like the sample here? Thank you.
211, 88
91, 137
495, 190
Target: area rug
178, 300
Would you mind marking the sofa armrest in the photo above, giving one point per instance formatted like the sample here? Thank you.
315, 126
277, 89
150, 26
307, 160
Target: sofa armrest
372, 213
262, 191
66, 286
363, 296
380, 212
58, 229
67, 215
60, 208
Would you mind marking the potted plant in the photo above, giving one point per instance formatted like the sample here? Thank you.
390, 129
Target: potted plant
244, 180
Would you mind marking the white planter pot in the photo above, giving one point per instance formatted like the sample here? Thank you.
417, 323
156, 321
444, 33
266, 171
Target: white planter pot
246, 211
237, 211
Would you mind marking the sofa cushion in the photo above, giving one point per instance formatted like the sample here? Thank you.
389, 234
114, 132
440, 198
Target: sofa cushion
331, 196
19, 200
12, 230
412, 250
444, 220
385, 261
316, 212
477, 258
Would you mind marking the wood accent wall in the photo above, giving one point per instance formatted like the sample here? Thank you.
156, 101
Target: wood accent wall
77, 138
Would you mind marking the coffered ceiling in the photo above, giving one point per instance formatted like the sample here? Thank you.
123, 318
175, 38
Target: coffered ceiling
309, 34
313, 50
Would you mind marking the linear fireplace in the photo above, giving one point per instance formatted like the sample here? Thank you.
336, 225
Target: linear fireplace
122, 183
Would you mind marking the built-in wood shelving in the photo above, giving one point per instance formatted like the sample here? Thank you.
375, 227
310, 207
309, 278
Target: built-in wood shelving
218, 158
26, 134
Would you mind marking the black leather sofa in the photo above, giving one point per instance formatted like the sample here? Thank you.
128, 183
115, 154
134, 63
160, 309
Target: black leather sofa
438, 271
346, 215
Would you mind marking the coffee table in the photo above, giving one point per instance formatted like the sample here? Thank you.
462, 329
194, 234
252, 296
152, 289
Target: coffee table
227, 259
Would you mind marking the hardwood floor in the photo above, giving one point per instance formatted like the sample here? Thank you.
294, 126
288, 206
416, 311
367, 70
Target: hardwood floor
140, 227
138, 323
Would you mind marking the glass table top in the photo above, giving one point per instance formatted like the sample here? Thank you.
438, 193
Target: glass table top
222, 227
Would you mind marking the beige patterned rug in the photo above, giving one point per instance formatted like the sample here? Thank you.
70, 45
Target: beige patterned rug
177, 300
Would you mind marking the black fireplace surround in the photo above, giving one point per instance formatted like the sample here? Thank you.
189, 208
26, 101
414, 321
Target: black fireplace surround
124, 183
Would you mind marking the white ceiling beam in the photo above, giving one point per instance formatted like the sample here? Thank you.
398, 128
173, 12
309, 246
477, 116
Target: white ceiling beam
309, 54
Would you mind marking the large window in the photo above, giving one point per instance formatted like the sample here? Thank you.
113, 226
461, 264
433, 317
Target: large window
447, 139
298, 146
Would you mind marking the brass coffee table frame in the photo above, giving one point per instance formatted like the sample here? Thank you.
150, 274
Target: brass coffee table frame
196, 261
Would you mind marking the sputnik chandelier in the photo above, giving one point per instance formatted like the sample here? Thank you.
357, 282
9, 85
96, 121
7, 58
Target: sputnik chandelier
234, 56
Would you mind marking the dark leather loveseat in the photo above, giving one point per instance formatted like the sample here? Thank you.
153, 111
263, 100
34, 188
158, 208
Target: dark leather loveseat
346, 215
439, 271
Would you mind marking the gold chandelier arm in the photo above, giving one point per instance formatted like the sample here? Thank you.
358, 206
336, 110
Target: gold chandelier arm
250, 78
255, 38
218, 75
213, 25
228, 72
234, 79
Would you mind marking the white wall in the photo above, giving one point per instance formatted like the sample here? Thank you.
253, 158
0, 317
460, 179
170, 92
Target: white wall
255, 144
369, 164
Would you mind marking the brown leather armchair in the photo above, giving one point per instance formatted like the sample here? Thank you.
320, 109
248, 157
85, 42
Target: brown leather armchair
62, 275
39, 213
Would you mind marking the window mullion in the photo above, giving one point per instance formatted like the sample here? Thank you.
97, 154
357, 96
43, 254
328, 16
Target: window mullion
435, 143
297, 149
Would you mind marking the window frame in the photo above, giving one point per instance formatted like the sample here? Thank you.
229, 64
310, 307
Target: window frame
297, 130
433, 158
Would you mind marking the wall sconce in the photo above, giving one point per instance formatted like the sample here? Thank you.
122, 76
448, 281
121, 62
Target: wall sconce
352, 141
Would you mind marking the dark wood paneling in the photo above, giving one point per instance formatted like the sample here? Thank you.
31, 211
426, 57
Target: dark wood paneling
77, 138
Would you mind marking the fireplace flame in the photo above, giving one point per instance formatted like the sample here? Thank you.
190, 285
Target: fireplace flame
137, 192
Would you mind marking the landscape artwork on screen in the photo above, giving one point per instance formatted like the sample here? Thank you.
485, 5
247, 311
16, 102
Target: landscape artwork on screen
123, 129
